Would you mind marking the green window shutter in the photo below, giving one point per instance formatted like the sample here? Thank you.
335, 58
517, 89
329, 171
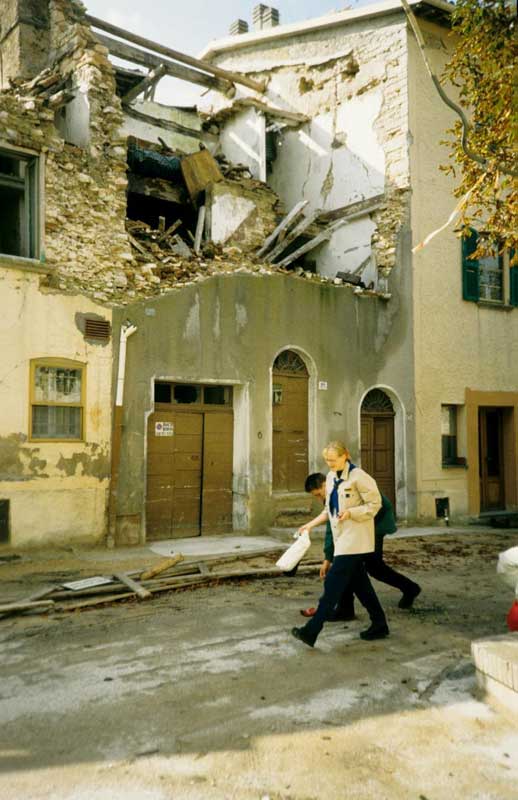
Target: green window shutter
470, 279
513, 281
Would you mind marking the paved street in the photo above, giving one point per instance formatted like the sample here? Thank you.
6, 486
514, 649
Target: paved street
204, 694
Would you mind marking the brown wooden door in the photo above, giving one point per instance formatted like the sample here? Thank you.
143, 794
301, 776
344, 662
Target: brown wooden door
189, 474
491, 459
174, 474
218, 434
290, 432
377, 446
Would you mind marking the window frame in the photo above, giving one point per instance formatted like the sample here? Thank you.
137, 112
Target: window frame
471, 271
64, 363
32, 194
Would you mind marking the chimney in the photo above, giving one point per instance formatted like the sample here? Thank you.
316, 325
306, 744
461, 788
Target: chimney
24, 39
238, 27
264, 17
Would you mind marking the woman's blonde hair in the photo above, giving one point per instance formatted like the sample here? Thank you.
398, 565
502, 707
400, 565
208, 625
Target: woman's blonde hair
338, 447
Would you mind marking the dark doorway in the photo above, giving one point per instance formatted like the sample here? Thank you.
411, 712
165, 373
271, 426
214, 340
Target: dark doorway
491, 459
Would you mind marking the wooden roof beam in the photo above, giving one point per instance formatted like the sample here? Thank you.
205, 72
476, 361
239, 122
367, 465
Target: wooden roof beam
175, 70
232, 77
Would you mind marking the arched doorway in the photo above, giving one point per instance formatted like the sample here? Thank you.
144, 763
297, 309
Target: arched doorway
290, 381
377, 441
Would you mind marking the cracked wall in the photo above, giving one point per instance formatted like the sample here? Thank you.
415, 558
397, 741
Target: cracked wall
83, 207
351, 80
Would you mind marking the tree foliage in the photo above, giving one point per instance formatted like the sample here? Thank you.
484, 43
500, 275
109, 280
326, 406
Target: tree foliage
484, 70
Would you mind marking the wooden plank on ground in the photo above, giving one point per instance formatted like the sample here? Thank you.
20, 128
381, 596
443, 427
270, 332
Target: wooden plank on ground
7, 608
162, 566
139, 590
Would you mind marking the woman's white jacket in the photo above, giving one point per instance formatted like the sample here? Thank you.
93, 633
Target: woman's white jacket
359, 494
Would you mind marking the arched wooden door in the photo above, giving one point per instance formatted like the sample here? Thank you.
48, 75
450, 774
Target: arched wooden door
377, 441
290, 422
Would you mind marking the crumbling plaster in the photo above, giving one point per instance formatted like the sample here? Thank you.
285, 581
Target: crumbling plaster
351, 81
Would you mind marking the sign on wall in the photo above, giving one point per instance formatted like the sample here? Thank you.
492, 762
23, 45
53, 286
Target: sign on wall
164, 429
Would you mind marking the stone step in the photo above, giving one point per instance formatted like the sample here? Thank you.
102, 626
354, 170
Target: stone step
292, 509
496, 660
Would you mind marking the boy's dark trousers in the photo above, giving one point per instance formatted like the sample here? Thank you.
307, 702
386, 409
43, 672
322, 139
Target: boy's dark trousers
347, 574
376, 568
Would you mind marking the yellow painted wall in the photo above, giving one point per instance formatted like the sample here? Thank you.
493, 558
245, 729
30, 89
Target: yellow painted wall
57, 490
458, 344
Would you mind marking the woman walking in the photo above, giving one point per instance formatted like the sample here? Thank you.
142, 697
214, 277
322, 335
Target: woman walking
352, 502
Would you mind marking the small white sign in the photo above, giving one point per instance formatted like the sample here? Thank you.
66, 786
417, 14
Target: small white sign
164, 429
87, 583
322, 385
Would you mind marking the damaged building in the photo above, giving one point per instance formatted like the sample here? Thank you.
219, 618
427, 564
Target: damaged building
194, 300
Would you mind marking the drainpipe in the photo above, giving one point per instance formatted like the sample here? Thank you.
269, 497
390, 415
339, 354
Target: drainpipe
127, 330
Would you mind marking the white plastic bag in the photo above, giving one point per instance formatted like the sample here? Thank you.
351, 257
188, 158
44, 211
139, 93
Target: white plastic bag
295, 552
507, 567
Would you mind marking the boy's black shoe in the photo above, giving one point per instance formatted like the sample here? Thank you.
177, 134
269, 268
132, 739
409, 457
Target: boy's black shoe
409, 597
300, 633
375, 632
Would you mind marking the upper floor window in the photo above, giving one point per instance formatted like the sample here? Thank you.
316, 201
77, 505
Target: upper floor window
57, 399
18, 204
449, 434
487, 278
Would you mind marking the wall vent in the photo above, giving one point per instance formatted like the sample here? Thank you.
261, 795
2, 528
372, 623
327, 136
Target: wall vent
99, 329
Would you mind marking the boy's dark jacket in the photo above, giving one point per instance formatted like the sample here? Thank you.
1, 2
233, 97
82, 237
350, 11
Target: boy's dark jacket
384, 523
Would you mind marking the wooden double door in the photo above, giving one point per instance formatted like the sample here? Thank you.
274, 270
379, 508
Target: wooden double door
189, 473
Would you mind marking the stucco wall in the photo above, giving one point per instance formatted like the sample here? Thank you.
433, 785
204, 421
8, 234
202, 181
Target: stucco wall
230, 329
57, 490
459, 345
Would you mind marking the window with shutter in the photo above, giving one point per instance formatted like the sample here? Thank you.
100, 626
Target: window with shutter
470, 268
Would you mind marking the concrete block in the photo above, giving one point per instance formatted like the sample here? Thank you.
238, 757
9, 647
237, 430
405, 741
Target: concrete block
496, 660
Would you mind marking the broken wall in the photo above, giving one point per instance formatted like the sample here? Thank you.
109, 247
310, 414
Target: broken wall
228, 329
83, 201
351, 80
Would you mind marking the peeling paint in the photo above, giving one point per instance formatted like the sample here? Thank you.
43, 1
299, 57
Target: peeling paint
19, 463
95, 463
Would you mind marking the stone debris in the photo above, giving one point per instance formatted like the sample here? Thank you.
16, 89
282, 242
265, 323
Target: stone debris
91, 247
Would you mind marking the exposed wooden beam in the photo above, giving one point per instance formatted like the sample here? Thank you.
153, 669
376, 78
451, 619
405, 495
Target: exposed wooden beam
293, 234
158, 122
233, 77
146, 83
322, 237
295, 212
156, 187
353, 209
175, 70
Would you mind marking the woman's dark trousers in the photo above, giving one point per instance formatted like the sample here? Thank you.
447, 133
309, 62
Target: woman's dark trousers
347, 574
377, 568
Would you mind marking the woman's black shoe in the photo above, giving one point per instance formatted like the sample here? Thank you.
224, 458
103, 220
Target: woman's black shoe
375, 632
301, 635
